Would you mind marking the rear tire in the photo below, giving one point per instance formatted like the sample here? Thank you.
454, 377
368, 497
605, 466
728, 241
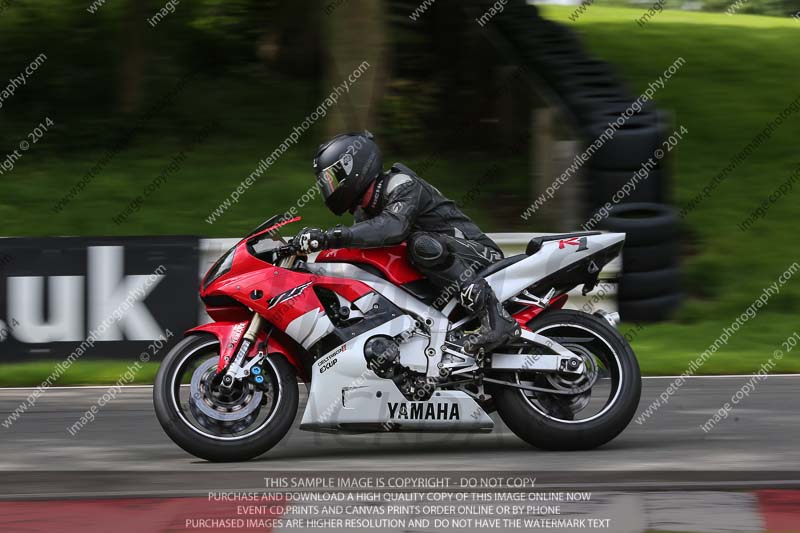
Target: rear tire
549, 434
214, 449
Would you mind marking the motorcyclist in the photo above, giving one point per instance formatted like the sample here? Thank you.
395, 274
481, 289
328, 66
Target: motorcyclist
397, 205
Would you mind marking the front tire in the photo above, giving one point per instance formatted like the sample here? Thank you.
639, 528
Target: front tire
200, 441
554, 430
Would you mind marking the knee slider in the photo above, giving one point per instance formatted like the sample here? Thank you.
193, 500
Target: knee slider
428, 252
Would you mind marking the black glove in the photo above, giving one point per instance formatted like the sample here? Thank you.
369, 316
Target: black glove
311, 240
314, 239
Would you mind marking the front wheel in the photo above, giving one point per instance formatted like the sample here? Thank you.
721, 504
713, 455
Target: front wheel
217, 424
595, 407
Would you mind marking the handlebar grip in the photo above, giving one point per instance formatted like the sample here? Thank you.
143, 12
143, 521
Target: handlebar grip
288, 250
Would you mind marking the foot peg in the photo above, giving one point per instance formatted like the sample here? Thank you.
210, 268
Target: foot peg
482, 359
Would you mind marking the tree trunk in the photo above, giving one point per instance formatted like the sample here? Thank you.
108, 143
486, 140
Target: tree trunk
132, 74
356, 32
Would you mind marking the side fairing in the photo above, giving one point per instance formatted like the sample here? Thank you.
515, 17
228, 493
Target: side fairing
310, 327
391, 261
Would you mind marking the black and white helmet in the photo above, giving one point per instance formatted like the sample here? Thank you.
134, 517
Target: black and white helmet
345, 167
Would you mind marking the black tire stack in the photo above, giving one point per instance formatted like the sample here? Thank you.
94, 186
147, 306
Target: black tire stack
650, 287
593, 94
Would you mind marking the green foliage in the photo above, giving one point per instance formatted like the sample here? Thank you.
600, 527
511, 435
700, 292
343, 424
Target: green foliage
86, 53
739, 74
756, 7
406, 113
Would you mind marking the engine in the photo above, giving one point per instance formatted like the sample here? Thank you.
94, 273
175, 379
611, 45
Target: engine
398, 359
383, 356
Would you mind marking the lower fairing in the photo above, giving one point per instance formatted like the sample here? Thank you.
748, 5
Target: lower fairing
345, 395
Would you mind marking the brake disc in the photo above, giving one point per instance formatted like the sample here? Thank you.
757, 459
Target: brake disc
211, 407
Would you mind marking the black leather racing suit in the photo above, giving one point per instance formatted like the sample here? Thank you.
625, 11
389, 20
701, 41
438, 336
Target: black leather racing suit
443, 243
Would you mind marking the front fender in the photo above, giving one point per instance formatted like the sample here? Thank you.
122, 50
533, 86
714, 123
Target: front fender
230, 334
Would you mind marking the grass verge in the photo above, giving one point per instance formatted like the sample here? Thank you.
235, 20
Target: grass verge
80, 373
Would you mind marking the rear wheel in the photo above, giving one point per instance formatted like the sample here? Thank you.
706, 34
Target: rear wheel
597, 405
218, 424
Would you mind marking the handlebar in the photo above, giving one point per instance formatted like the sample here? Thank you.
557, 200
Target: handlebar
287, 251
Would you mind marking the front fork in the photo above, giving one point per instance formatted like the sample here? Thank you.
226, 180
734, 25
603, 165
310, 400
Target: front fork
236, 370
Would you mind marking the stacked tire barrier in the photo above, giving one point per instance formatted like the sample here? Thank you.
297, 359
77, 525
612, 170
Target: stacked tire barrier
595, 98
649, 288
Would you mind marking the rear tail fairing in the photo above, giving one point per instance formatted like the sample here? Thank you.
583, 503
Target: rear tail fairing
560, 264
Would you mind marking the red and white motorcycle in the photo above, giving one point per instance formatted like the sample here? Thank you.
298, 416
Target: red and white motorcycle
381, 350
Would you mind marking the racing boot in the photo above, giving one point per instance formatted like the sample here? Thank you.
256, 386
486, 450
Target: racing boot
497, 326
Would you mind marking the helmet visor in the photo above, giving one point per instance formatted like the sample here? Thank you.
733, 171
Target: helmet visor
330, 179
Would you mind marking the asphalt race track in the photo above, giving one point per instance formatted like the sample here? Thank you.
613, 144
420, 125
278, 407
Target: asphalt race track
124, 452
761, 434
